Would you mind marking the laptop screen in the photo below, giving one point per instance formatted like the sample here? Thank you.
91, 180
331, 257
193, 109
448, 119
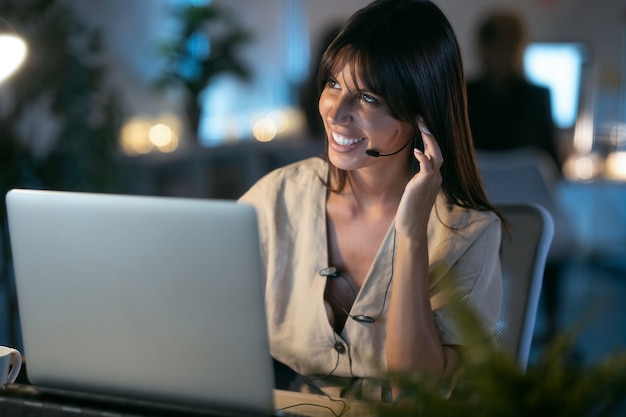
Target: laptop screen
152, 298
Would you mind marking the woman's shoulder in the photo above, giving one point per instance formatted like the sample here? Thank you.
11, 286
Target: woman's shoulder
457, 228
301, 172
459, 218
305, 169
296, 175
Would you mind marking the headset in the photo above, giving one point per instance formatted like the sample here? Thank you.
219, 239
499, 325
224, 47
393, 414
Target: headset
417, 143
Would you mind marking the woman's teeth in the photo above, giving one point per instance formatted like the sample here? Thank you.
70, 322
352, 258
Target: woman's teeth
344, 141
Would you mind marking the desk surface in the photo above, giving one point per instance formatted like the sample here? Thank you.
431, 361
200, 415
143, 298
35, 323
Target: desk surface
317, 405
14, 403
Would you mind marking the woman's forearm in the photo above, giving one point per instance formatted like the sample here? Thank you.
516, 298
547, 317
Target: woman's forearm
412, 343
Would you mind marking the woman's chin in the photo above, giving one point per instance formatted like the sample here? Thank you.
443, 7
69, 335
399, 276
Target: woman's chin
347, 160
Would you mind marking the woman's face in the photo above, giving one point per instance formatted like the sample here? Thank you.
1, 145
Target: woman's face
355, 120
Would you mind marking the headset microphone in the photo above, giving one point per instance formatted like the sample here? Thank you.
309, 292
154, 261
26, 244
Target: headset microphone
376, 154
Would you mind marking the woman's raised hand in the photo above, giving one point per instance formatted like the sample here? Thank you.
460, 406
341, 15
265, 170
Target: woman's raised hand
421, 191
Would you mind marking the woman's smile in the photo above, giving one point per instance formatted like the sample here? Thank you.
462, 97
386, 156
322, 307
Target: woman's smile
345, 140
343, 144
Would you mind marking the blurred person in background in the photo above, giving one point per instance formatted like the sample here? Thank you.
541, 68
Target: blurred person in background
506, 111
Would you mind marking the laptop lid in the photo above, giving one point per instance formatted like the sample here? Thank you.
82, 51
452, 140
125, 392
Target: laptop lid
149, 298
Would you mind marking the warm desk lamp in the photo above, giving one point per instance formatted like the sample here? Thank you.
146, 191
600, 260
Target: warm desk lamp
12, 50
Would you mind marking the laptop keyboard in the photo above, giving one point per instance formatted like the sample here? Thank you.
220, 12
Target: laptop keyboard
17, 400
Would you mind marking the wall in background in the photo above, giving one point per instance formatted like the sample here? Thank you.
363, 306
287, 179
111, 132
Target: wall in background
133, 29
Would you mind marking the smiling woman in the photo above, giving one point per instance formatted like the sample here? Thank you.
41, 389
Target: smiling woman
361, 245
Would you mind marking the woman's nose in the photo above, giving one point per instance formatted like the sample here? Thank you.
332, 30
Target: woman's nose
341, 109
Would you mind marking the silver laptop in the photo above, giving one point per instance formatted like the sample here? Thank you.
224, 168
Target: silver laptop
148, 298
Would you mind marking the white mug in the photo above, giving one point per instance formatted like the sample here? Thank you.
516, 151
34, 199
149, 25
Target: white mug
10, 364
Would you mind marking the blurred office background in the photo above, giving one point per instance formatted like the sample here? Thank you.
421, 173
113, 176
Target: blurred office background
97, 107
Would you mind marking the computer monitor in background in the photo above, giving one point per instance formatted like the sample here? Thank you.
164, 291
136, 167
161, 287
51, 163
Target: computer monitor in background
560, 67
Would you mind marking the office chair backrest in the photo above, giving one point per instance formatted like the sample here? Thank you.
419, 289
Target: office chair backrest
523, 257
520, 174
528, 176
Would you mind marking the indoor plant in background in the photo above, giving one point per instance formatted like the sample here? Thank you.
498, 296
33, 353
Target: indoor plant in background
59, 120
206, 46
58, 106
489, 383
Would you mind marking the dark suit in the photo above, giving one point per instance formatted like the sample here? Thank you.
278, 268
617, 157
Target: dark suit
517, 115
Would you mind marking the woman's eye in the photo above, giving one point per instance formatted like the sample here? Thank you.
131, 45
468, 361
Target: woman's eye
332, 83
368, 99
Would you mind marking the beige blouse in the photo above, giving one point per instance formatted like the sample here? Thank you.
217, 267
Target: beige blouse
291, 207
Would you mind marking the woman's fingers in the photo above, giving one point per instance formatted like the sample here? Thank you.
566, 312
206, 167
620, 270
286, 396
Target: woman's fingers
431, 148
425, 163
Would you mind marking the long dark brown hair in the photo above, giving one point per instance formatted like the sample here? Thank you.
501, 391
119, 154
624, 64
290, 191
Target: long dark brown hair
407, 55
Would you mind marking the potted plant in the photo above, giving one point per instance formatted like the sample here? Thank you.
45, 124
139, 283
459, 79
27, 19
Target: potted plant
490, 383
206, 46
